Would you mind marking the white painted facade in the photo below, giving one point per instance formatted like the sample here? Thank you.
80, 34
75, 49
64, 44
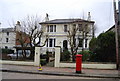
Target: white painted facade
59, 35
7, 38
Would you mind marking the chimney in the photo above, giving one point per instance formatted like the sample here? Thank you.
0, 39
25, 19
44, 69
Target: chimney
89, 16
47, 17
18, 25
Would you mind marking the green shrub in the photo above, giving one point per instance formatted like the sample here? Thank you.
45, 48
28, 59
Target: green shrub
7, 51
103, 47
43, 62
86, 55
65, 55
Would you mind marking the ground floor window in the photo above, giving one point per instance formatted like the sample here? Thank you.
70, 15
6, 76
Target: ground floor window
86, 43
6, 47
80, 42
51, 42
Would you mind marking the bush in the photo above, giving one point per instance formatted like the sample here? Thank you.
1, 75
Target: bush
7, 51
103, 47
86, 55
65, 55
43, 62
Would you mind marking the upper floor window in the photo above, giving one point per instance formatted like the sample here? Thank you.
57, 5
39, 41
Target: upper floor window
7, 33
51, 28
47, 28
80, 27
7, 39
65, 28
54, 28
74, 25
86, 26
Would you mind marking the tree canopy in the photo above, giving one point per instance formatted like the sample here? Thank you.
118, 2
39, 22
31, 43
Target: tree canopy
104, 47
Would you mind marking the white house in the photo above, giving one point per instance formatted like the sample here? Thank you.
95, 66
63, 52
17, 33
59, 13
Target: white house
7, 38
57, 33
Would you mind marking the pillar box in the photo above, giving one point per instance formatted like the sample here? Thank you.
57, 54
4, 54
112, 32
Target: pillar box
78, 63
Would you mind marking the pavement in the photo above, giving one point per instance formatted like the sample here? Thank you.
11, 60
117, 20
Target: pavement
95, 73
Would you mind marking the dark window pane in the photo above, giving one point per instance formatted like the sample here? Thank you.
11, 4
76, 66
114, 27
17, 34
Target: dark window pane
50, 42
74, 25
6, 39
65, 45
6, 47
80, 27
54, 28
86, 43
47, 28
65, 28
51, 28
7, 33
80, 42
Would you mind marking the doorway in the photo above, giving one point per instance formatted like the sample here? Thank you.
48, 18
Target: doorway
65, 45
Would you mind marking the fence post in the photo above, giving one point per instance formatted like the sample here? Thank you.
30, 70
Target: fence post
57, 56
37, 56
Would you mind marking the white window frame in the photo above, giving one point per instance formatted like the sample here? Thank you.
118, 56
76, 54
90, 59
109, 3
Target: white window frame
51, 28
65, 28
53, 42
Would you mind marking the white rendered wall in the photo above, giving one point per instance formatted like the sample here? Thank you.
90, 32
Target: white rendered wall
37, 56
57, 57
11, 40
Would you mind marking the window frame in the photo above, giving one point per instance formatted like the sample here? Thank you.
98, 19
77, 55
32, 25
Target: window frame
6, 47
48, 28
51, 28
86, 41
7, 39
7, 33
80, 27
80, 42
51, 42
65, 28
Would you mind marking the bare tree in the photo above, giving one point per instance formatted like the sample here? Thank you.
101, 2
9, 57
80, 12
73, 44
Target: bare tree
22, 40
30, 26
76, 32
72, 32
35, 31
85, 29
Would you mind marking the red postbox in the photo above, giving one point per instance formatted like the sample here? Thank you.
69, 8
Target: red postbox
78, 63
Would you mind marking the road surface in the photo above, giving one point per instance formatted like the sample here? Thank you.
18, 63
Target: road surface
11, 75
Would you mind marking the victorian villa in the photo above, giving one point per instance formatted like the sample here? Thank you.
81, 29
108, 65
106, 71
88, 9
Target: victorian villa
57, 29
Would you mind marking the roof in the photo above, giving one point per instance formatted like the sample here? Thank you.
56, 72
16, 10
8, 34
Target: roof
7, 29
65, 21
111, 29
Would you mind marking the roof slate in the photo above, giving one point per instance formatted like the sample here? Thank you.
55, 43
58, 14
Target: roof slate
7, 29
65, 21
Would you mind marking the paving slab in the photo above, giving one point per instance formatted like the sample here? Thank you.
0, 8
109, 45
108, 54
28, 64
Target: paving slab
61, 71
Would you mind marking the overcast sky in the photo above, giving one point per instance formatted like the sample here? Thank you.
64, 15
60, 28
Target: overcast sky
101, 11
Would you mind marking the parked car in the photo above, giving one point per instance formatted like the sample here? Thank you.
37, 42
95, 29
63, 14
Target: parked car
14, 55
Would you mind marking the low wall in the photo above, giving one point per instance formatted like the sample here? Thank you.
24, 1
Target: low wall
90, 66
72, 65
16, 62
